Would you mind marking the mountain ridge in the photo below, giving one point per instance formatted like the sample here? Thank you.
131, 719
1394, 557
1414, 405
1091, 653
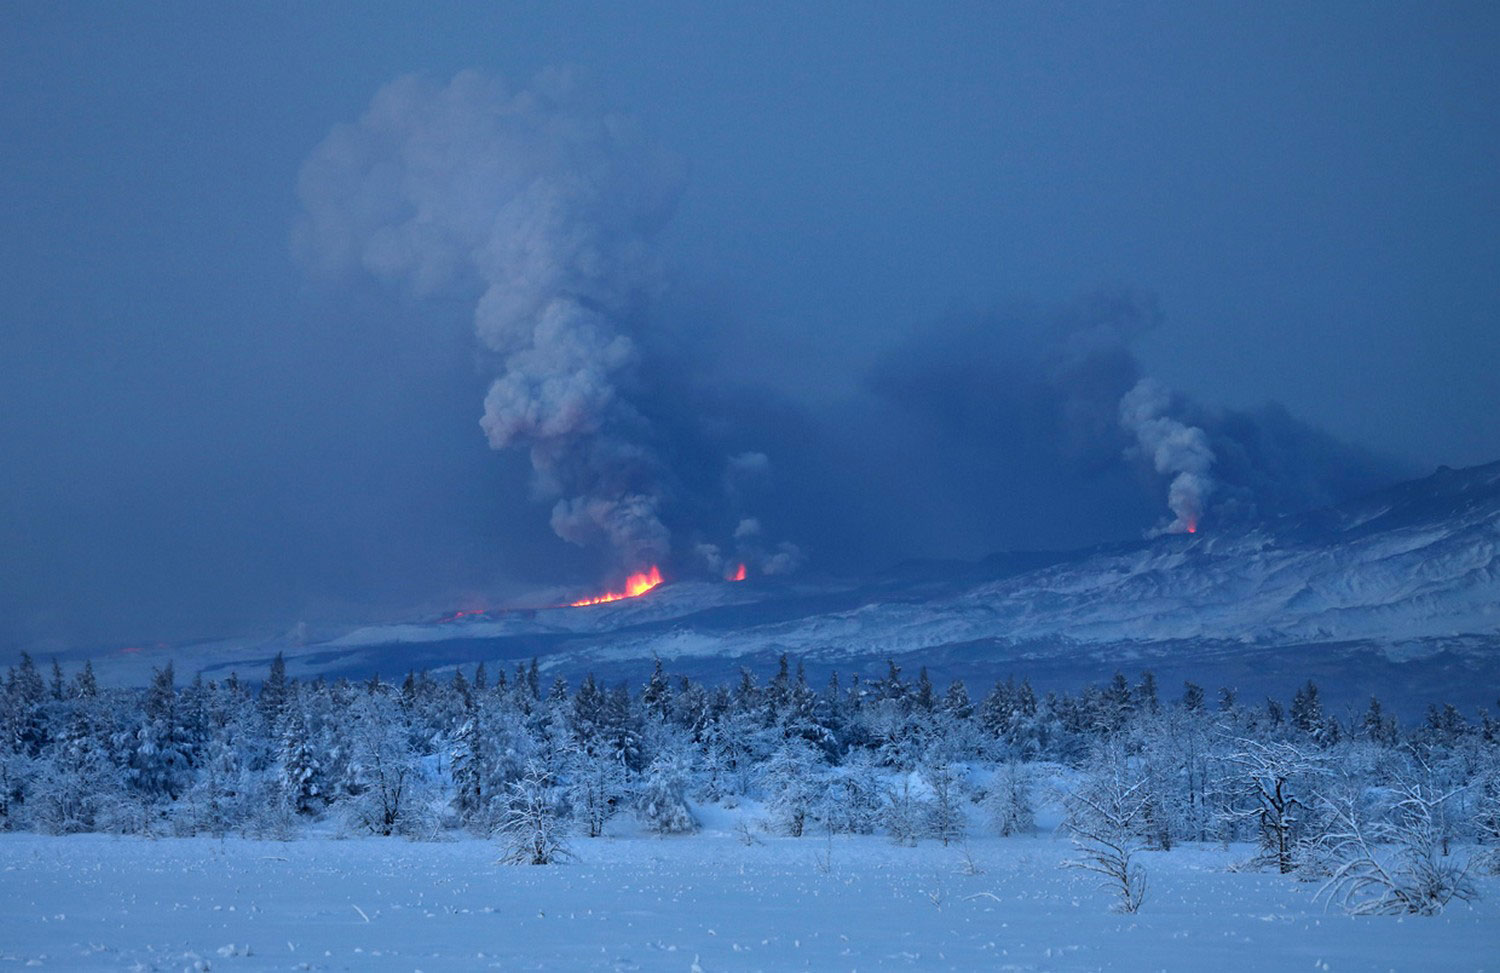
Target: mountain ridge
1400, 580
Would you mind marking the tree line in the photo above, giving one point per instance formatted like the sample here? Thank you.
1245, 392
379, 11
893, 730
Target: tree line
515, 753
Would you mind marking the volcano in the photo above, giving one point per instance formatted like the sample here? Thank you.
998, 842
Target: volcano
1396, 593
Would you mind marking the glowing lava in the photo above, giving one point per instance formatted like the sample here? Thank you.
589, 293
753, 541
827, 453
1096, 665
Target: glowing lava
738, 575
1192, 527
461, 614
635, 585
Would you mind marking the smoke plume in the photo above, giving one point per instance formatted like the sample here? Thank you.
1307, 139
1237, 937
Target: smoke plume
1030, 427
1006, 430
545, 203
1174, 448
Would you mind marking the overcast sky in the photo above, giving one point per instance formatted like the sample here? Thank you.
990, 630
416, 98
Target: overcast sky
879, 235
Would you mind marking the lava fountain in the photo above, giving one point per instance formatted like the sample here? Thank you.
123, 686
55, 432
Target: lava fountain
635, 586
738, 575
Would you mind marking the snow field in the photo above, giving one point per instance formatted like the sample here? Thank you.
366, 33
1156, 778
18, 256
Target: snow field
707, 902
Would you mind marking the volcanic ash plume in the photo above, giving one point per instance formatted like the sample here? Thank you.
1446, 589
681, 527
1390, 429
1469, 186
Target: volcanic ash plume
1173, 448
750, 554
546, 203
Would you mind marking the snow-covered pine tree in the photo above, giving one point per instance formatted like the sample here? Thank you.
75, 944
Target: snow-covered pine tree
790, 781
656, 695
302, 775
21, 709
160, 761
82, 780
662, 800
273, 692
621, 726
1306, 714
471, 765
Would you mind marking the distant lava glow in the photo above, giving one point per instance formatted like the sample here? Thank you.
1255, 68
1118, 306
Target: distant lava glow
738, 575
635, 585
1192, 527
462, 614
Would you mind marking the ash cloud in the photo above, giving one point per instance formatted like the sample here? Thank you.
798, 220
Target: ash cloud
546, 204
1033, 427
1036, 427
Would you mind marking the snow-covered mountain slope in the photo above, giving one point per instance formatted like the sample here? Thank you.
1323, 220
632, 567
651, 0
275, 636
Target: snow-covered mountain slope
1400, 588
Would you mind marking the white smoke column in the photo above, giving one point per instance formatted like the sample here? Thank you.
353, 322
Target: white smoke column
1174, 448
546, 203
750, 547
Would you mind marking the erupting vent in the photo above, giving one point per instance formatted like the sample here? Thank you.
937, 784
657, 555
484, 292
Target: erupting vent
635, 585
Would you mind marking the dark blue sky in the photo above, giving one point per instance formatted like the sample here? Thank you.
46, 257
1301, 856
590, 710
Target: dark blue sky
889, 218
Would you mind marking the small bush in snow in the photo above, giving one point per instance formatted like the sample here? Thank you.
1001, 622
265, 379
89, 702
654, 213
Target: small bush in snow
533, 830
946, 817
1394, 864
1104, 816
907, 810
1008, 801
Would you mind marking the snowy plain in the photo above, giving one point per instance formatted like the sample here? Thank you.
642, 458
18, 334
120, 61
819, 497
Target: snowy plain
704, 902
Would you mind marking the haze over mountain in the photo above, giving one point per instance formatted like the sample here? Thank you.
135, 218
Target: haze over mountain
1396, 593
316, 316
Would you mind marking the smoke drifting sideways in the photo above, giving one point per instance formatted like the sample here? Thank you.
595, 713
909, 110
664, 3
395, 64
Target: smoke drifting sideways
1035, 427
1028, 428
545, 203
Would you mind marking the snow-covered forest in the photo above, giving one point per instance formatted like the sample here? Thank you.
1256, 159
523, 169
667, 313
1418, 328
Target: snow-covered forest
1390, 818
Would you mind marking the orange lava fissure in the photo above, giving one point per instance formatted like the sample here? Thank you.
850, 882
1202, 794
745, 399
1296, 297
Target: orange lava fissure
635, 585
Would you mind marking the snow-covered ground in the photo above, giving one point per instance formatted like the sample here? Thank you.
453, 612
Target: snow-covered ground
704, 902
